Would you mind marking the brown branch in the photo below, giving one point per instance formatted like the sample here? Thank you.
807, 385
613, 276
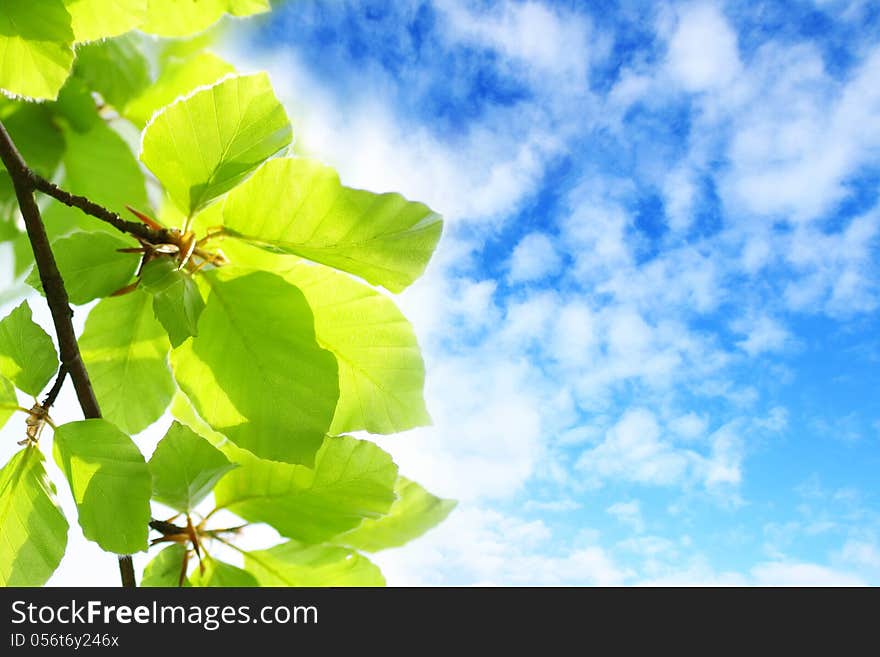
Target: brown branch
53, 393
24, 182
89, 207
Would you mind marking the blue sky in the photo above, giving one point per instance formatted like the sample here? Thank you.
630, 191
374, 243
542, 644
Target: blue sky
651, 327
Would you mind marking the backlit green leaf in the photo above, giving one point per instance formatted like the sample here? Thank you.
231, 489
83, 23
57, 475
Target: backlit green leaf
294, 564
220, 574
36, 135
183, 17
27, 354
90, 265
204, 144
185, 467
8, 400
32, 525
177, 78
255, 372
177, 301
126, 352
99, 19
298, 206
36, 48
117, 69
415, 512
110, 483
164, 570
352, 480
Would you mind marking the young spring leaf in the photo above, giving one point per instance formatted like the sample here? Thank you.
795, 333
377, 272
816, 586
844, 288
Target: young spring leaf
36, 47
294, 564
352, 480
414, 513
219, 574
255, 372
177, 301
27, 354
381, 372
185, 467
110, 482
177, 78
298, 206
174, 18
204, 144
99, 19
90, 265
37, 136
117, 69
126, 352
164, 570
8, 400
32, 524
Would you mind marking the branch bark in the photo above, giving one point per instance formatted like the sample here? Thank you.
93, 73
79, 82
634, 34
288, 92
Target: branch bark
24, 183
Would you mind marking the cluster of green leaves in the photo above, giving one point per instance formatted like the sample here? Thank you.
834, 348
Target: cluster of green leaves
267, 356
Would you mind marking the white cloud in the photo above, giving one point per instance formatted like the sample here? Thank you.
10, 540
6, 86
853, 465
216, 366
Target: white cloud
689, 426
533, 258
629, 514
703, 49
802, 574
763, 334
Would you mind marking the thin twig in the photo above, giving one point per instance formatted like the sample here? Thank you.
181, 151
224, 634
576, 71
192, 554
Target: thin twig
100, 212
52, 395
24, 183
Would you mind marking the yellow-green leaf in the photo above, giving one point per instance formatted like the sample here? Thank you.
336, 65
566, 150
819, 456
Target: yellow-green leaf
99, 19
27, 354
216, 573
294, 564
184, 17
164, 569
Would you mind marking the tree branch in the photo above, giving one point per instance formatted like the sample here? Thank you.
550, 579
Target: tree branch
52, 395
89, 207
24, 182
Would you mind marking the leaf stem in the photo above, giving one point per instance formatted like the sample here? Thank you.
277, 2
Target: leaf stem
24, 181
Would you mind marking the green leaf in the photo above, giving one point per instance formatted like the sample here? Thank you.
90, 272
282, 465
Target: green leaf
164, 570
219, 574
27, 354
176, 79
414, 513
36, 135
32, 525
294, 564
126, 352
8, 400
204, 144
255, 372
36, 48
77, 105
90, 265
185, 467
177, 302
381, 372
298, 206
183, 17
117, 69
352, 480
110, 483
99, 19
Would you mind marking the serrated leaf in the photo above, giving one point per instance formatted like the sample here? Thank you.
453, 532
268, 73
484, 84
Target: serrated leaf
90, 265
164, 569
294, 564
8, 401
219, 574
204, 144
126, 352
184, 17
177, 301
185, 467
414, 513
100, 19
177, 78
255, 372
27, 353
352, 480
298, 206
110, 483
117, 69
36, 48
32, 525
381, 372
